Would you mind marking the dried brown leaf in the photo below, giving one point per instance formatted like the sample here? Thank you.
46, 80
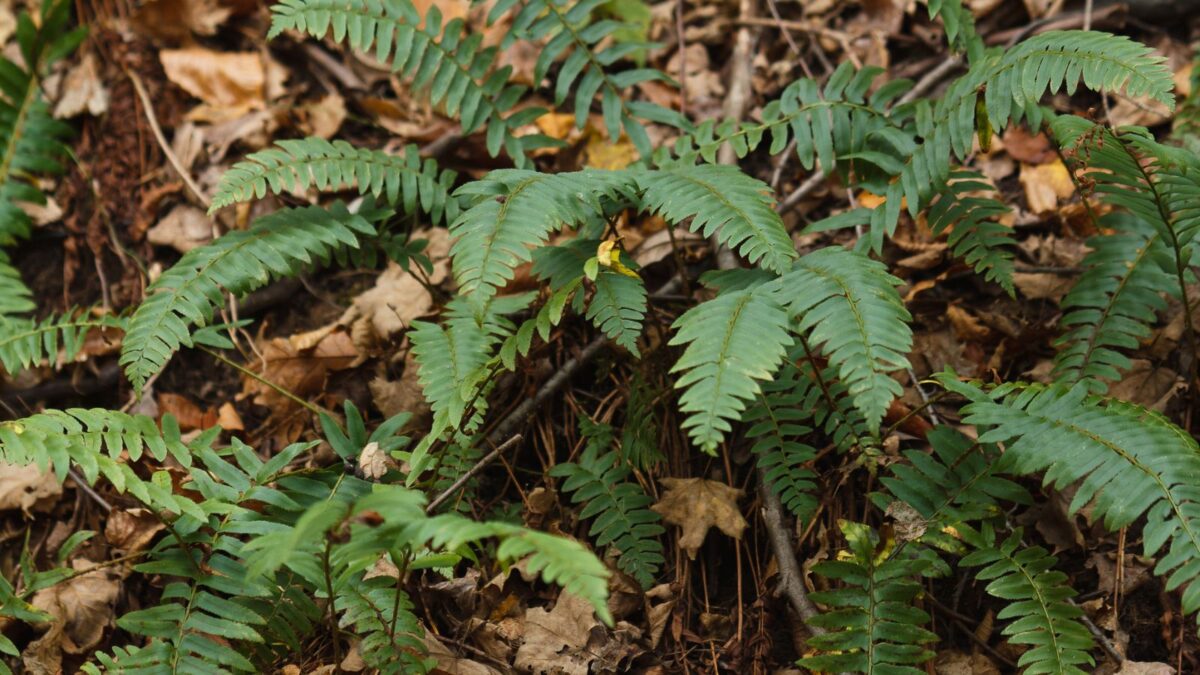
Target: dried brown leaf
26, 487
696, 505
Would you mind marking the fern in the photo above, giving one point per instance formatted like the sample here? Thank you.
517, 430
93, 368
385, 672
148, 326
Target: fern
566, 31
847, 304
1113, 303
1128, 461
734, 341
15, 296
618, 307
25, 342
382, 615
722, 200
32, 142
295, 165
280, 244
1038, 599
600, 481
974, 234
448, 64
873, 626
954, 485
776, 426
515, 210
451, 362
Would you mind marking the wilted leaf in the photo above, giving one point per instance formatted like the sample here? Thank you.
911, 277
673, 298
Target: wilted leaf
452, 664
696, 504
1148, 385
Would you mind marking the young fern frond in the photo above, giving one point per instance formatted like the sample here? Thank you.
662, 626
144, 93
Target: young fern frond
1114, 302
776, 425
296, 165
26, 342
722, 200
848, 305
620, 507
1127, 461
32, 142
734, 342
449, 65
975, 235
277, 245
1037, 597
873, 626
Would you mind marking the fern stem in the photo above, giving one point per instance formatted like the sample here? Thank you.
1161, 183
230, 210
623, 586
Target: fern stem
313, 408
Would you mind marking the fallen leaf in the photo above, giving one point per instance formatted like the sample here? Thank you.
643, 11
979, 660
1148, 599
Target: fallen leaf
323, 117
696, 505
966, 325
300, 371
23, 487
658, 246
402, 395
601, 153
189, 415
175, 20
131, 530
184, 228
556, 641
83, 606
1028, 148
229, 82
954, 662
1042, 286
82, 91
908, 522
450, 663
1142, 111
1145, 668
1046, 184
1148, 385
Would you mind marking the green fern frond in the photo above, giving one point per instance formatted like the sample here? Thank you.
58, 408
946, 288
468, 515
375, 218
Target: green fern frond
776, 425
296, 165
1037, 597
568, 31
618, 307
826, 401
873, 626
515, 210
829, 126
381, 615
32, 142
447, 64
848, 305
26, 342
721, 200
1113, 303
187, 295
975, 235
1185, 127
1126, 460
1008, 85
15, 296
451, 362
734, 341
959, 23
94, 440
620, 507
955, 484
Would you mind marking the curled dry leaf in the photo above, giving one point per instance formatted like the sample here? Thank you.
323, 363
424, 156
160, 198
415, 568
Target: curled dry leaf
556, 642
696, 505
82, 91
1045, 185
24, 487
373, 461
229, 83
300, 370
184, 228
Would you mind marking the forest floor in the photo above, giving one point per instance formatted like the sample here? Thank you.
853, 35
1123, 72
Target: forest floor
215, 90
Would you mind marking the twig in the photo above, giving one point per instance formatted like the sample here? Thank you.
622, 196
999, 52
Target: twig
472, 472
791, 581
162, 140
930, 79
509, 425
912, 376
811, 183
87, 489
787, 34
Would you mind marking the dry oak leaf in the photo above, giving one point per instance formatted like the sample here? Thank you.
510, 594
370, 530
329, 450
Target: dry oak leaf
131, 530
83, 606
230, 83
1045, 185
184, 228
300, 365
556, 642
696, 504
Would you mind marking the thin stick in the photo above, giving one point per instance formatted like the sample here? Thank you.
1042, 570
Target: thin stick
930, 79
472, 472
811, 183
162, 140
791, 581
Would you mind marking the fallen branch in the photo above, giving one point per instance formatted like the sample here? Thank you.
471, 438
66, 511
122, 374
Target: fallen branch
474, 470
791, 581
